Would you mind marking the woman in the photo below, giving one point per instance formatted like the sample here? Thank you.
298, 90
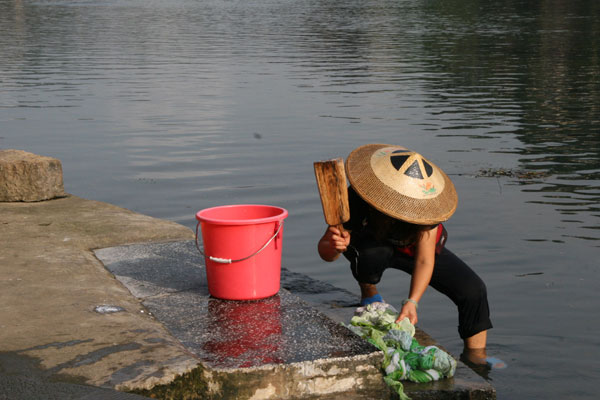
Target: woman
398, 200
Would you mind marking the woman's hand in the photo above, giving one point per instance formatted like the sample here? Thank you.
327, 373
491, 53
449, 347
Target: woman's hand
333, 243
409, 310
338, 239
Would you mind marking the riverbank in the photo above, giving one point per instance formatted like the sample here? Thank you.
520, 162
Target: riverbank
102, 302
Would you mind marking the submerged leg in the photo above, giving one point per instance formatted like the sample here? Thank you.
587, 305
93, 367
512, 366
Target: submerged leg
475, 354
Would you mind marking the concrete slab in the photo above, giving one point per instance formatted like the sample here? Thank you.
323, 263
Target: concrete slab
297, 327
278, 347
69, 329
50, 285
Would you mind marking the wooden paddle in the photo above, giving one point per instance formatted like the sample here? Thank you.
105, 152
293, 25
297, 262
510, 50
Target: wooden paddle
331, 180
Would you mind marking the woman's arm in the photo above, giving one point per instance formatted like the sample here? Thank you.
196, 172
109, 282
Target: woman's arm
333, 243
424, 264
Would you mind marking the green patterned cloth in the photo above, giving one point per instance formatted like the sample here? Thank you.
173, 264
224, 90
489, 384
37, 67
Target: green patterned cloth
404, 357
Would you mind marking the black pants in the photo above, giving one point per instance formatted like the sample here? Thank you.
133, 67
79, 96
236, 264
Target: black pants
451, 276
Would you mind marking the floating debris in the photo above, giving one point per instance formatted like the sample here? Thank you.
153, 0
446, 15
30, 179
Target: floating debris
108, 309
529, 273
511, 173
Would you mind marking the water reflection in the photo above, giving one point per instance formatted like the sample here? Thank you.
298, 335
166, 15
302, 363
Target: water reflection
244, 333
538, 77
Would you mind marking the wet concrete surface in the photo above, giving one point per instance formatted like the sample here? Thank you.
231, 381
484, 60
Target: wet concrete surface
22, 377
171, 282
299, 324
239, 334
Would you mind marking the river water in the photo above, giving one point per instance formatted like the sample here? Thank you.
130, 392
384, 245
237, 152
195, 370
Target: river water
168, 107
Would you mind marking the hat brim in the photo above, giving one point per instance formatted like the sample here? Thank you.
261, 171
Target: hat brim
391, 202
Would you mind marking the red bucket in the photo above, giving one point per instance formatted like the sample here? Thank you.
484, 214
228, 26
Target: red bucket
242, 250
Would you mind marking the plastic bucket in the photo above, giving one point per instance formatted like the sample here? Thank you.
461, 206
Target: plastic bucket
242, 250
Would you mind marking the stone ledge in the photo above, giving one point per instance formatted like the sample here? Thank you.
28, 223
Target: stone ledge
56, 341
274, 348
29, 177
289, 346
334, 378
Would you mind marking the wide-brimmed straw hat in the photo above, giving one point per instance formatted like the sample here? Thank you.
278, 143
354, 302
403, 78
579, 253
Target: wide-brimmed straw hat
401, 183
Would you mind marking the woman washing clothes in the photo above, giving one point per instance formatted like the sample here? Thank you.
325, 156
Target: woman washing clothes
398, 201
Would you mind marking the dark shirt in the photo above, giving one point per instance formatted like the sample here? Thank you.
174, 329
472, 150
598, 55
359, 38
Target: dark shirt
359, 210
364, 219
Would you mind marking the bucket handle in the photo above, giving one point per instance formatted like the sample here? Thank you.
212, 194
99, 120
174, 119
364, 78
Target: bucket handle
228, 260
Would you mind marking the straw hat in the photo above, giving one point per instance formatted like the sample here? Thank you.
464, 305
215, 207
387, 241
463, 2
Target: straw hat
401, 183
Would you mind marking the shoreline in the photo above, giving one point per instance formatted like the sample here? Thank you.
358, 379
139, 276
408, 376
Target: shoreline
99, 300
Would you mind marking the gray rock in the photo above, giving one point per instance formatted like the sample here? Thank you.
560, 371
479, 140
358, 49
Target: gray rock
29, 177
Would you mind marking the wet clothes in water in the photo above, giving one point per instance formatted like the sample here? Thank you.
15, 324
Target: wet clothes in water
370, 255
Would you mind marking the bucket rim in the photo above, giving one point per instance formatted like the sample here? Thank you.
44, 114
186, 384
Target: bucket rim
283, 213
